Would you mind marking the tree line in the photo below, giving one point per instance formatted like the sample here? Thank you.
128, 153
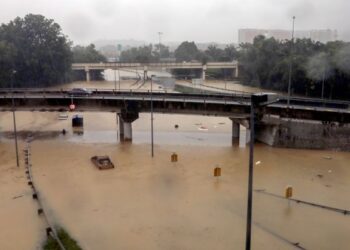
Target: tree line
317, 69
34, 52
186, 51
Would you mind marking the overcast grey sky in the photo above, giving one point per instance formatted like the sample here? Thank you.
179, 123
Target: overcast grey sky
199, 20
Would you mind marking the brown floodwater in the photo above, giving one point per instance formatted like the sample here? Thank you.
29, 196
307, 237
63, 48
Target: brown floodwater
152, 203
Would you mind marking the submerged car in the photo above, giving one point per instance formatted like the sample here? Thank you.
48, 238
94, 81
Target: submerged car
80, 92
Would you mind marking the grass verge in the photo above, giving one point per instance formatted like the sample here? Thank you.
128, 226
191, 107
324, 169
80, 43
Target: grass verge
67, 241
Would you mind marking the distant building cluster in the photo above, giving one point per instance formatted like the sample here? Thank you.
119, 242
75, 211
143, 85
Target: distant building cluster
324, 36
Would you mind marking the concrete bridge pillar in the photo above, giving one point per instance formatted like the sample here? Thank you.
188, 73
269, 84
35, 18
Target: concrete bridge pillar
126, 117
120, 123
235, 72
204, 72
145, 69
125, 129
244, 136
87, 72
240, 131
235, 131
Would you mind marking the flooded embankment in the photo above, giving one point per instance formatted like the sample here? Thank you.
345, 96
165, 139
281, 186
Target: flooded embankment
153, 203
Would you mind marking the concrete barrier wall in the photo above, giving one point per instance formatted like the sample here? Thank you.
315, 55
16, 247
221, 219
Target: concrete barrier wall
293, 133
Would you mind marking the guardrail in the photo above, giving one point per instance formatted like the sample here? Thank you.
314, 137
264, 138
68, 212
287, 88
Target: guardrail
124, 92
220, 96
50, 229
82, 66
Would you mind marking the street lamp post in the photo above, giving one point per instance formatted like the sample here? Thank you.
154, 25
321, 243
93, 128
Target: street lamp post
152, 118
159, 33
291, 64
119, 76
115, 74
250, 176
323, 78
14, 118
257, 100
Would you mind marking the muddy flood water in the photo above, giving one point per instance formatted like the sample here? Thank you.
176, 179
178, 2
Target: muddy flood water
153, 203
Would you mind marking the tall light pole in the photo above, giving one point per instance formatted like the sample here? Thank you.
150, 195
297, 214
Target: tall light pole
291, 64
323, 79
14, 117
119, 76
115, 70
152, 153
115, 75
160, 34
250, 176
256, 101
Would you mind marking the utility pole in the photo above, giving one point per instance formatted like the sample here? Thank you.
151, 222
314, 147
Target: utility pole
323, 79
256, 101
115, 70
14, 118
291, 64
160, 34
152, 117
119, 76
250, 176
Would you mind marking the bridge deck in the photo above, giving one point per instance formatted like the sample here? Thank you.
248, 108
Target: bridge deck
177, 65
225, 104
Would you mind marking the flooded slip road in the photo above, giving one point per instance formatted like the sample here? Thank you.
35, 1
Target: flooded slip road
152, 203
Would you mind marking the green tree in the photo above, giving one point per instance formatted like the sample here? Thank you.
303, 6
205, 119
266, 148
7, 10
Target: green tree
142, 54
43, 56
265, 63
214, 54
7, 55
164, 51
87, 54
318, 68
187, 51
230, 53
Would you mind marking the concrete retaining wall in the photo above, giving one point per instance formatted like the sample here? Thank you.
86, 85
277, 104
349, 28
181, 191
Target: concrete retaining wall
305, 134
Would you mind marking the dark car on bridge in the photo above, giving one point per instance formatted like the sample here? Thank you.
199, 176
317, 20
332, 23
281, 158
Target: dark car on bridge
80, 92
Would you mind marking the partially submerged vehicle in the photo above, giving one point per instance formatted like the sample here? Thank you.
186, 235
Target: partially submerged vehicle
102, 162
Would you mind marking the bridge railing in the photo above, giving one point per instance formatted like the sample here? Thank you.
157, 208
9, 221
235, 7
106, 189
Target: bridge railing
102, 65
124, 94
205, 96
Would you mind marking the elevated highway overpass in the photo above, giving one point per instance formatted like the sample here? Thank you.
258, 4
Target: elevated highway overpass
87, 67
277, 118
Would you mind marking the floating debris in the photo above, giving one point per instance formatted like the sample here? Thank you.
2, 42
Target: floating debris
327, 157
320, 175
195, 138
258, 163
203, 128
18, 196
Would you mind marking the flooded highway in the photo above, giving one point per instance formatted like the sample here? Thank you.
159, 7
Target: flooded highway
153, 203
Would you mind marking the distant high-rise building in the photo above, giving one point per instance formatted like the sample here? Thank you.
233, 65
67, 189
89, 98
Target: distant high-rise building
248, 35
